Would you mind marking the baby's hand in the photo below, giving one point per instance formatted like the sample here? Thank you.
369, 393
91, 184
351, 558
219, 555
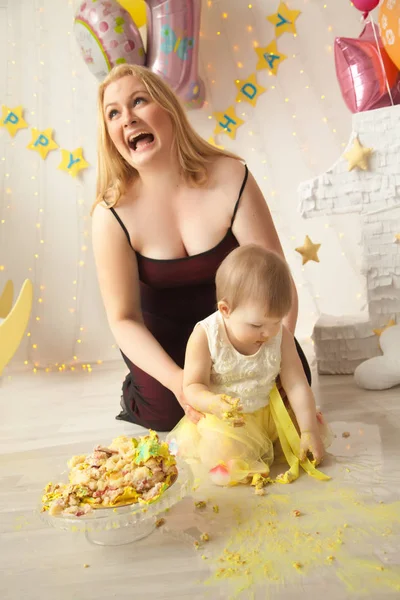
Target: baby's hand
228, 409
310, 441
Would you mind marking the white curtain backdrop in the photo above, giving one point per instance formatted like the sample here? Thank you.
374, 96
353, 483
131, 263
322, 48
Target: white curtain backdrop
298, 128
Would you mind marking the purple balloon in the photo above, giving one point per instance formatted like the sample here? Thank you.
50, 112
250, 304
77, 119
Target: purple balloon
360, 74
172, 46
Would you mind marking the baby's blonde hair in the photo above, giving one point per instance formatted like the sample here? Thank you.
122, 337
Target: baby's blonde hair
252, 274
193, 152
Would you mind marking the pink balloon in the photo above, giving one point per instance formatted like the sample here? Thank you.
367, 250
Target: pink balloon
365, 5
172, 46
360, 74
107, 36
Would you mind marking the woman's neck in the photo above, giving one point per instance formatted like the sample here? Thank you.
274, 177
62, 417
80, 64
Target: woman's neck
161, 176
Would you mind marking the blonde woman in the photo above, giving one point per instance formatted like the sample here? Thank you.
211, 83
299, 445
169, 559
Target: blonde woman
169, 208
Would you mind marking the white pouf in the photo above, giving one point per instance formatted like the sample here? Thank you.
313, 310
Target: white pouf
382, 372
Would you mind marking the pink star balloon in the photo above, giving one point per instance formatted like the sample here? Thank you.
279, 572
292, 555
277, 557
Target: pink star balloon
361, 75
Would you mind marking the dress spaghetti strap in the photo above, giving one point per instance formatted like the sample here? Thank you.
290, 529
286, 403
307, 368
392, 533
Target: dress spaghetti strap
246, 174
116, 215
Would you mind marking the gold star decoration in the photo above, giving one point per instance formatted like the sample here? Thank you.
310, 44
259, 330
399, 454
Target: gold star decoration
212, 141
42, 142
269, 58
284, 19
379, 332
12, 119
227, 122
309, 251
249, 90
73, 162
358, 156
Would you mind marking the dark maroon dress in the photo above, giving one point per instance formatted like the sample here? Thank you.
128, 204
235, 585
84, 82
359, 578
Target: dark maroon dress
175, 295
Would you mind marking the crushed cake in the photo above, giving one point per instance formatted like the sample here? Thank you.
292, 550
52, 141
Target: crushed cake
128, 471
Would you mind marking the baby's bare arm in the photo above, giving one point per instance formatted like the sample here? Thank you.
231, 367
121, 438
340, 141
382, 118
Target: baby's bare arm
196, 381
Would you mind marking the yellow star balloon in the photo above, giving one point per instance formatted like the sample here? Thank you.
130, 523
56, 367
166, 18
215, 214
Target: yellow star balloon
269, 58
379, 332
309, 251
42, 142
358, 156
73, 162
284, 19
12, 119
227, 122
249, 90
212, 141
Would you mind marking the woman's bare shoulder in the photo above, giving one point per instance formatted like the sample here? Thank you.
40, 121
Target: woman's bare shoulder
226, 166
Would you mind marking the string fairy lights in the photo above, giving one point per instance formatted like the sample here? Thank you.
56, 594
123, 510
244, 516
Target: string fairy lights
233, 58
255, 36
35, 171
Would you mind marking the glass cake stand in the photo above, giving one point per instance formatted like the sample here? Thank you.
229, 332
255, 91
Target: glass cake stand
124, 524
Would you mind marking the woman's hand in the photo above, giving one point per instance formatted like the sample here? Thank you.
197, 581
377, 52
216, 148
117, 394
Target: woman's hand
310, 441
192, 414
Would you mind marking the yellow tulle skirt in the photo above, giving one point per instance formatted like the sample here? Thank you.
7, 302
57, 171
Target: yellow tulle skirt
231, 455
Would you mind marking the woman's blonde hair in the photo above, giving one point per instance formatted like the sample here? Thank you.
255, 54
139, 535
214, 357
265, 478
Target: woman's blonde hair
193, 152
252, 274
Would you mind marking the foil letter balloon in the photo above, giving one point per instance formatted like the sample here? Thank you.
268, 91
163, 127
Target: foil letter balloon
172, 46
107, 36
389, 23
361, 76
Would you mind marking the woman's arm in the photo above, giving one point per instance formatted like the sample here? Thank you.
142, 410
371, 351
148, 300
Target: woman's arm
254, 225
117, 273
196, 373
300, 397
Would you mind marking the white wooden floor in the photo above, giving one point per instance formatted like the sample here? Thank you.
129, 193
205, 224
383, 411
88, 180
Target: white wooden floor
46, 418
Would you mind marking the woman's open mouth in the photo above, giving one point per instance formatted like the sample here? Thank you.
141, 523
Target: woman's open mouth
140, 141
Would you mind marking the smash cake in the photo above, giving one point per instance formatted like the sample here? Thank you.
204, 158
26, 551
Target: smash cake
128, 471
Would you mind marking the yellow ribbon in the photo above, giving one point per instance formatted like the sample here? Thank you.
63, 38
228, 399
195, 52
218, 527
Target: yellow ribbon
290, 442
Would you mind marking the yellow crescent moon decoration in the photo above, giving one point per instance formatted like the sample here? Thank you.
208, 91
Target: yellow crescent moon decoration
15, 322
6, 299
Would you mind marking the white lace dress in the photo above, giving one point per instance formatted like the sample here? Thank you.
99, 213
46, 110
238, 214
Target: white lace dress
249, 378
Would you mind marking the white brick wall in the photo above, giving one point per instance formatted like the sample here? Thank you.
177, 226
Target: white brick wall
343, 343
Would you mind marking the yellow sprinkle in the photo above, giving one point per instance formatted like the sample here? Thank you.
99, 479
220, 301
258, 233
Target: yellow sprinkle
380, 568
85, 566
205, 537
196, 545
160, 522
204, 557
331, 558
296, 513
297, 565
200, 504
345, 526
216, 508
